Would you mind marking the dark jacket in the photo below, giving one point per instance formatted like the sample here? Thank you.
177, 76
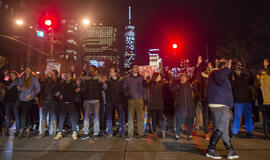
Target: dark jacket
168, 100
184, 105
133, 87
11, 92
220, 89
240, 87
115, 92
48, 89
155, 101
92, 88
68, 91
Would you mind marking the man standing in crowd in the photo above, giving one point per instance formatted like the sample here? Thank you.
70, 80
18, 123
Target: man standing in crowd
220, 98
135, 92
265, 71
91, 101
68, 90
242, 101
115, 101
201, 73
48, 94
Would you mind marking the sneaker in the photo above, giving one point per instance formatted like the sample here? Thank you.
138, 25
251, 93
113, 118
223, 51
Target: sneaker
123, 136
95, 137
234, 136
190, 138
232, 155
110, 135
141, 138
129, 138
58, 136
206, 137
250, 135
177, 138
74, 136
85, 136
211, 153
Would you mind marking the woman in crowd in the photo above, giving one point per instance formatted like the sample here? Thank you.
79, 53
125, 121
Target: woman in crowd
156, 104
28, 88
11, 102
184, 106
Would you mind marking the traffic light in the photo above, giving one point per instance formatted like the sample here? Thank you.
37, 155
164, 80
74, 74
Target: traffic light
174, 46
48, 22
40, 34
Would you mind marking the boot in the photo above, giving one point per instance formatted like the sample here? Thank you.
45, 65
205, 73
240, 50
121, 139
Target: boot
28, 133
20, 135
54, 129
231, 152
163, 135
58, 136
155, 136
42, 134
211, 151
74, 136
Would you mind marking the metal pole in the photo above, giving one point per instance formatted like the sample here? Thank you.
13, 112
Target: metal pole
51, 41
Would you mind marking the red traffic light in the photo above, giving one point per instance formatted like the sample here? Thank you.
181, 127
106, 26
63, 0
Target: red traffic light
174, 46
48, 22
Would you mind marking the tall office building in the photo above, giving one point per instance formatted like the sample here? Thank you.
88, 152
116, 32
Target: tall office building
129, 55
71, 40
99, 43
154, 59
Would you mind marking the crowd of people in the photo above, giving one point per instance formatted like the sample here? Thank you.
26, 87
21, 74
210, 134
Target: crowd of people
94, 104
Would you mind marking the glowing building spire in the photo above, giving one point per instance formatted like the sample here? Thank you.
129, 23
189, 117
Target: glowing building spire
129, 15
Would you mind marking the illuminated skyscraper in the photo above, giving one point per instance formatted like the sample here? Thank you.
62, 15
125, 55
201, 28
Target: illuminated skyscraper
129, 55
154, 59
71, 40
99, 42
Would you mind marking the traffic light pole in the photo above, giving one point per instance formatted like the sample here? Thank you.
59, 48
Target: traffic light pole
52, 46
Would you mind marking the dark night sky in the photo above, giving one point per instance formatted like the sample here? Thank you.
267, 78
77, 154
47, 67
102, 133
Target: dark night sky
159, 23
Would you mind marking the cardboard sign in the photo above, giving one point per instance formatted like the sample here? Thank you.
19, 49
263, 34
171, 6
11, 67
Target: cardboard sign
265, 87
51, 65
147, 70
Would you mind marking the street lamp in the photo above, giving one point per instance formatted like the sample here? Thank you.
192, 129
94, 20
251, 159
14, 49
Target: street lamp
19, 22
86, 22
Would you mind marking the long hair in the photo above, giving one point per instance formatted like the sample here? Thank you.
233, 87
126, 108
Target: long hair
27, 81
155, 76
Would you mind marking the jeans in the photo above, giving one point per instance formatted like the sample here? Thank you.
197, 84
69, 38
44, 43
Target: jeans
102, 114
135, 105
2, 114
156, 116
12, 107
25, 113
266, 119
205, 111
88, 106
239, 108
67, 109
49, 107
181, 121
221, 121
121, 116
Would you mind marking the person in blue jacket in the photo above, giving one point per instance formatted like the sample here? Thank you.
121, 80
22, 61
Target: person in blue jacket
220, 98
28, 87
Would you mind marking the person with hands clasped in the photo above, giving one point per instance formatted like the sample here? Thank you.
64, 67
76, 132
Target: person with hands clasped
28, 87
